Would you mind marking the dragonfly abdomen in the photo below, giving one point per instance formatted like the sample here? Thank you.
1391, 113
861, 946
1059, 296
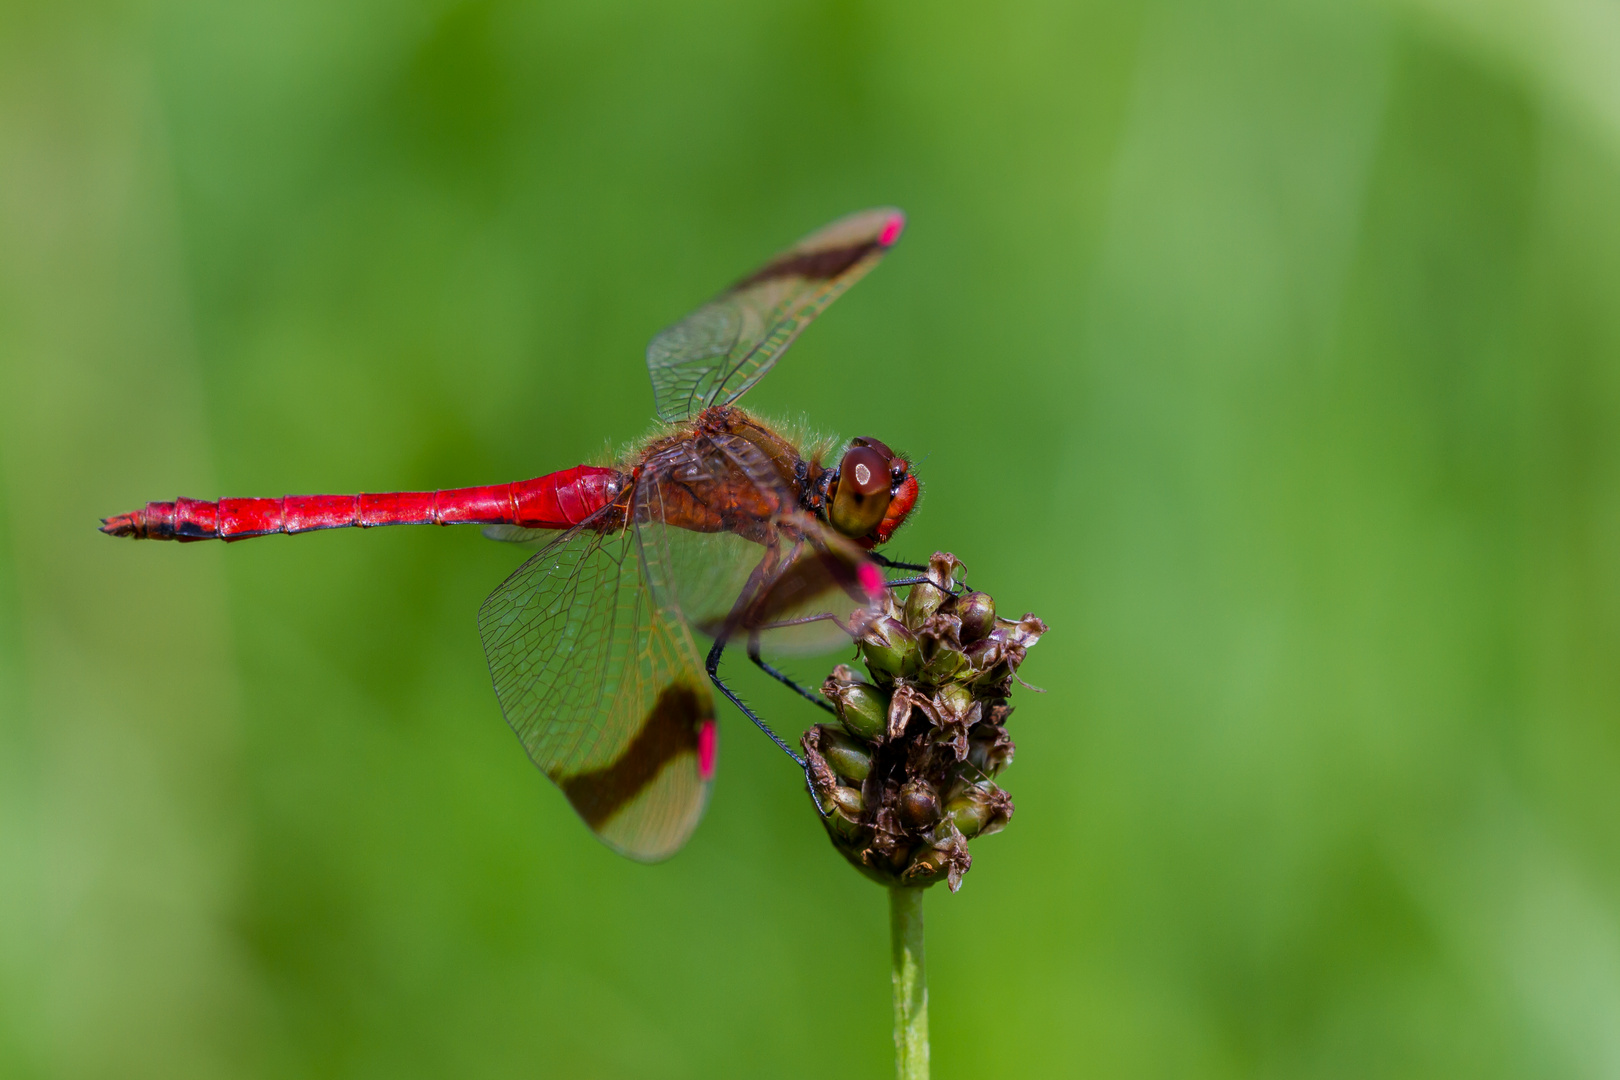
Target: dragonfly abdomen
557, 500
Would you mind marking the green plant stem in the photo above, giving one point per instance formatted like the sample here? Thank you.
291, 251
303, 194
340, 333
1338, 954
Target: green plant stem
910, 983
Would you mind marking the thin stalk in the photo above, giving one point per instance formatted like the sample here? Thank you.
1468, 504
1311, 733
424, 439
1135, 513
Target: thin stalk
910, 983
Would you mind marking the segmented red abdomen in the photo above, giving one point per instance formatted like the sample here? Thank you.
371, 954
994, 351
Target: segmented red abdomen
558, 500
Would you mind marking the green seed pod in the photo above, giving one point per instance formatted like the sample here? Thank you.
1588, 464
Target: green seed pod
863, 709
843, 828
970, 811
890, 649
847, 800
978, 614
943, 666
844, 807
923, 600
919, 803
847, 757
979, 809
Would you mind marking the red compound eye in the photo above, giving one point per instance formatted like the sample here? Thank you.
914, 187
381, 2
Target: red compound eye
862, 496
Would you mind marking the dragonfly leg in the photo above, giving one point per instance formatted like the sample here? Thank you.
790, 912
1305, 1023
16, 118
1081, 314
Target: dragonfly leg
921, 579
810, 786
712, 665
785, 679
891, 564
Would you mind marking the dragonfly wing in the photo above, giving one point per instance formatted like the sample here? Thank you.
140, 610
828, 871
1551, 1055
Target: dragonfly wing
822, 585
517, 534
603, 687
720, 350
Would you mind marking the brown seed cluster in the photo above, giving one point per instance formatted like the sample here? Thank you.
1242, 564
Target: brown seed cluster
907, 776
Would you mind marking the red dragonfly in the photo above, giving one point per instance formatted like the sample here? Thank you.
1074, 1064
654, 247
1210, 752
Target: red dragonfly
717, 525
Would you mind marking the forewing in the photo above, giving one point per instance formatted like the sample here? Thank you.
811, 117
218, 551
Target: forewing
720, 350
602, 685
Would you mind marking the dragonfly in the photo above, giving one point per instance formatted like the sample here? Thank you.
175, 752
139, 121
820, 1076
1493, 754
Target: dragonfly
717, 528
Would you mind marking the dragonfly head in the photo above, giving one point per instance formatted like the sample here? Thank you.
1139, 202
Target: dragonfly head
873, 492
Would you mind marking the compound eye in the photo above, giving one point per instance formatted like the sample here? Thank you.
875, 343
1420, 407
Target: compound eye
867, 440
865, 469
863, 489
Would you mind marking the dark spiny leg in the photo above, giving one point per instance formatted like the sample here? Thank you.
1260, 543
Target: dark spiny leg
786, 680
890, 564
810, 786
753, 654
713, 667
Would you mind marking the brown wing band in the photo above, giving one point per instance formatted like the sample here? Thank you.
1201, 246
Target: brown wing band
813, 265
671, 729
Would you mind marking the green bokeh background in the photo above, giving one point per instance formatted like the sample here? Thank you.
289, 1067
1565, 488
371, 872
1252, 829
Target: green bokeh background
1270, 350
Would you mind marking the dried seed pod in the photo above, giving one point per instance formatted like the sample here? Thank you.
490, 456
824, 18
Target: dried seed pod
948, 860
954, 713
1009, 644
942, 569
989, 751
940, 630
926, 866
902, 702
982, 654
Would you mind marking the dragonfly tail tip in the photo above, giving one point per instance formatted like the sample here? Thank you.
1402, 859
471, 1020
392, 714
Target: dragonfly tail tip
122, 525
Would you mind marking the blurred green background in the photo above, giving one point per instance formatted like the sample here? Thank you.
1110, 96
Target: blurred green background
1270, 350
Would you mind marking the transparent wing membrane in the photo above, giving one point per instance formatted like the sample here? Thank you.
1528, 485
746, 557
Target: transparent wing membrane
715, 354
603, 686
517, 534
